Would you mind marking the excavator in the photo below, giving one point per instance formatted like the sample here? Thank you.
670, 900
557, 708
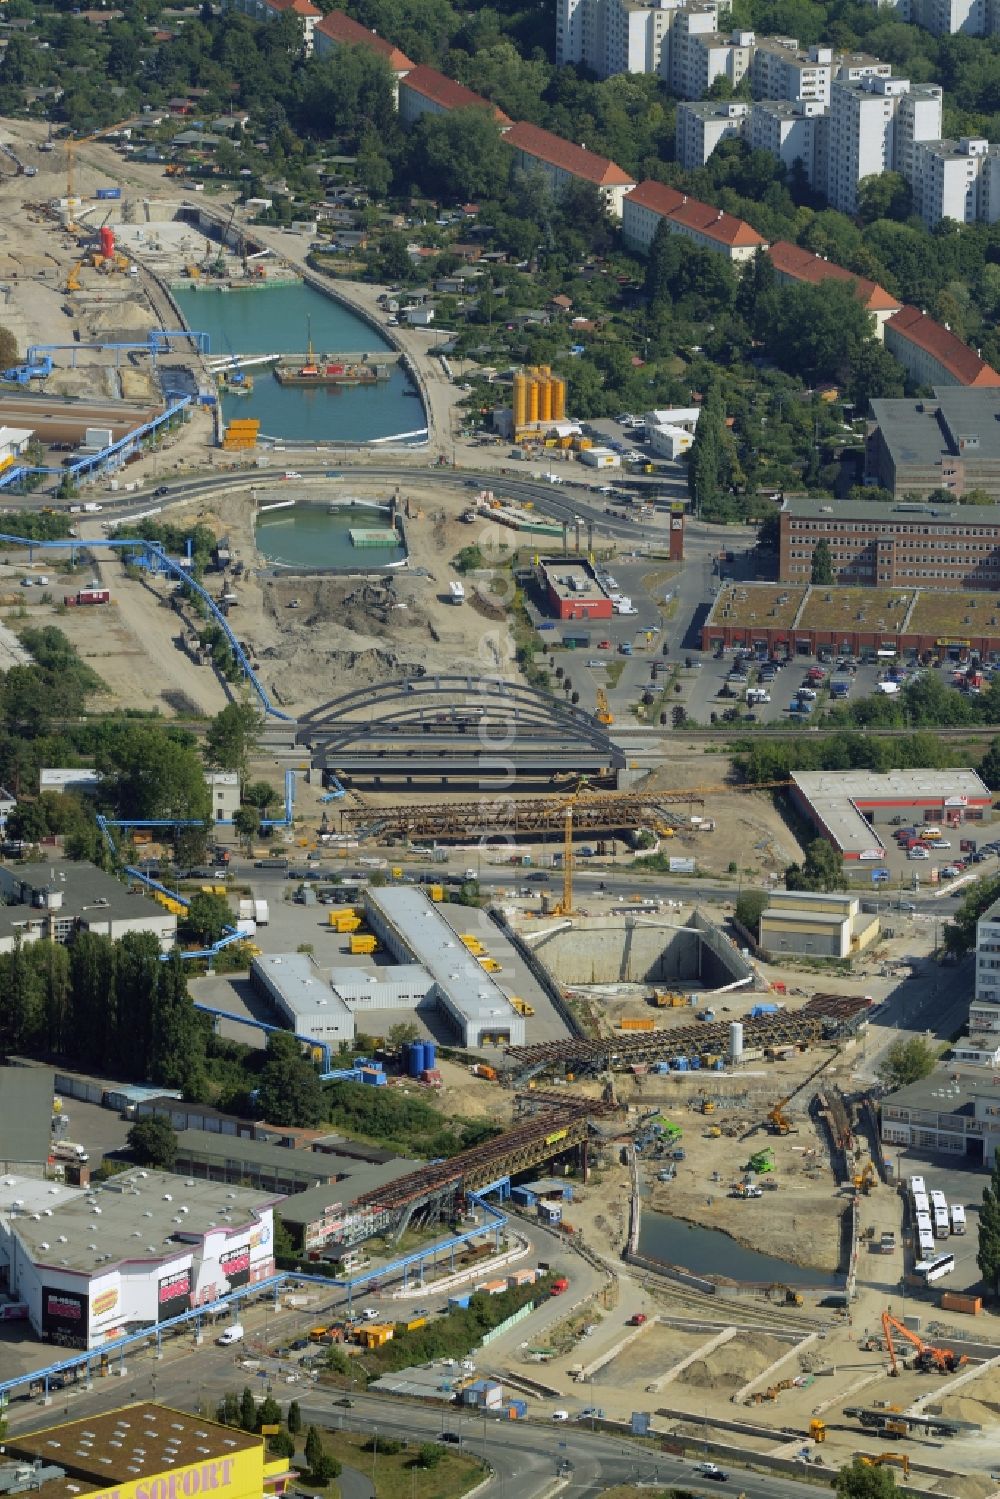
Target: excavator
778, 1121
943, 1360
865, 1179
887, 1460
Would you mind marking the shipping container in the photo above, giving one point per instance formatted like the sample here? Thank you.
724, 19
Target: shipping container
954, 1301
108, 194
636, 1025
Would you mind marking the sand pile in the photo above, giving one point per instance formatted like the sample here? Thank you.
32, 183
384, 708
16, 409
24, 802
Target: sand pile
122, 317
965, 1486
735, 1362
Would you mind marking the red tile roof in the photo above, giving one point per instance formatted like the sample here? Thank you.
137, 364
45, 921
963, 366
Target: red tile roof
300, 7
803, 265
449, 94
950, 352
575, 160
345, 30
656, 196
692, 214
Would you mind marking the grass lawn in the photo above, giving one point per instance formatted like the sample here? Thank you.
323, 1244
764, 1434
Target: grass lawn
398, 1474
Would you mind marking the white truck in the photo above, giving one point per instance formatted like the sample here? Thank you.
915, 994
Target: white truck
68, 1150
254, 911
232, 1334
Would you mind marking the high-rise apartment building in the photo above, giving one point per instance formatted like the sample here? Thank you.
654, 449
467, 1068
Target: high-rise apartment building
781, 69
703, 126
875, 125
794, 132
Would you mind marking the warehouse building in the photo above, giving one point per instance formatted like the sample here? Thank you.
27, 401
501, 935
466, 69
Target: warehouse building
298, 991
789, 620
825, 925
26, 1098
953, 1113
147, 1451
572, 589
94, 1264
412, 928
59, 899
845, 805
326, 1218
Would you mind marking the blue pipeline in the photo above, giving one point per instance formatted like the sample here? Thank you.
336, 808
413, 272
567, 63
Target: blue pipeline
155, 553
101, 460
157, 342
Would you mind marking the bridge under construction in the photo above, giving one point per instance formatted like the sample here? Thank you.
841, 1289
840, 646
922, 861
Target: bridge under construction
549, 1125
593, 812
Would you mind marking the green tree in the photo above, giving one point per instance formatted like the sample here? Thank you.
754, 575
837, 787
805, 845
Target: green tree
289, 1091
178, 1047
314, 1447
750, 906
989, 766
429, 1454
822, 563
887, 195
906, 1062
960, 932
709, 458
294, 1421
324, 1470
248, 1410
231, 736
207, 916
268, 1412
260, 794
821, 869
8, 343
228, 1410
280, 1444
150, 772
857, 1481
459, 154
401, 1035
988, 1255
153, 1142
394, 261
247, 825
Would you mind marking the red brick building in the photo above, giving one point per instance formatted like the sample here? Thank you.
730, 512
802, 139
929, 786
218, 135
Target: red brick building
573, 590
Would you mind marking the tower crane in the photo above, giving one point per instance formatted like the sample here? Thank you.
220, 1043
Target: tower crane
72, 146
944, 1360
565, 906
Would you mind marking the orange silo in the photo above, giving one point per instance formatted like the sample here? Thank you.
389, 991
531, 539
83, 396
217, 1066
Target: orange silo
520, 402
533, 400
558, 398
544, 398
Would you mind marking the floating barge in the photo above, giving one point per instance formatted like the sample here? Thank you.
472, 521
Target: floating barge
327, 370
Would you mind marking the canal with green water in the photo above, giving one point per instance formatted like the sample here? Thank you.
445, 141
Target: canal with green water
314, 537
276, 320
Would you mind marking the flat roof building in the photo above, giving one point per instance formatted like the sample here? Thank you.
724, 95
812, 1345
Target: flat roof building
947, 1113
92, 1264
58, 899
817, 923
573, 590
845, 805
950, 442
413, 929
294, 984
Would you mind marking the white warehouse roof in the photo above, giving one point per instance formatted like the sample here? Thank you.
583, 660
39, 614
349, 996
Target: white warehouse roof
414, 929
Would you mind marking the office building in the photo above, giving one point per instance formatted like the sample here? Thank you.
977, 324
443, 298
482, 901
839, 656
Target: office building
560, 164
93, 1264
947, 443
932, 355
572, 589
950, 1112
987, 991
57, 900
652, 204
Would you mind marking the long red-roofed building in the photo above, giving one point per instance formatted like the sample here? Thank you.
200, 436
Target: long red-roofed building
267, 10
792, 263
653, 203
426, 91
337, 29
932, 355
560, 163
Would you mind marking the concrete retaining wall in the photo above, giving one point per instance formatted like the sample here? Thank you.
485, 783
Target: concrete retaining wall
539, 971
764, 1376
702, 1351
601, 951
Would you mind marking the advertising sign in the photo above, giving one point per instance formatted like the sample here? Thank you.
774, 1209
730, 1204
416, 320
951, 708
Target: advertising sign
235, 1265
872, 853
173, 1295
64, 1317
104, 1303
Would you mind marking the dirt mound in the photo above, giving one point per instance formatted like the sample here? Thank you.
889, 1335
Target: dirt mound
121, 317
966, 1486
735, 1362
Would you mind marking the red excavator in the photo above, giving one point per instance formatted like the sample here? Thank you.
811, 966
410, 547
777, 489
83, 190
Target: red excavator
943, 1360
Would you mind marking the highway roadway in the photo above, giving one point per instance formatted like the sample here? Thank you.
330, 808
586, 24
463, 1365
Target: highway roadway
524, 1457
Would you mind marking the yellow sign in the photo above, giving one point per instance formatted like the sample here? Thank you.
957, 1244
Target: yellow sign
269, 1431
106, 1302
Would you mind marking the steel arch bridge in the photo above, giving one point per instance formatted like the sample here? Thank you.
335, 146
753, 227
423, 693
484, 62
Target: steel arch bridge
415, 726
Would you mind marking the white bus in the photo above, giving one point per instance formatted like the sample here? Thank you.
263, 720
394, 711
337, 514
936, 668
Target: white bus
957, 1218
942, 1227
938, 1200
925, 1243
932, 1269
917, 1187
925, 1225
921, 1204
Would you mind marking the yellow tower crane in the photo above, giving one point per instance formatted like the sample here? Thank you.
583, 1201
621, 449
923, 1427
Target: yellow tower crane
72, 146
565, 906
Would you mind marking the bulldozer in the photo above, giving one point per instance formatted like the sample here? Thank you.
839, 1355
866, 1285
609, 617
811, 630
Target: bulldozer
817, 1430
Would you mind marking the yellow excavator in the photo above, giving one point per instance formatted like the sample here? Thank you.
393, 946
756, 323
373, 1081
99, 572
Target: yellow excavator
865, 1179
887, 1460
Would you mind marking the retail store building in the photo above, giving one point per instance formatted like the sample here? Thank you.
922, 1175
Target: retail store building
848, 807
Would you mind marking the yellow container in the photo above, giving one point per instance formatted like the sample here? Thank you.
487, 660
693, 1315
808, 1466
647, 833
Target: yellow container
363, 945
436, 892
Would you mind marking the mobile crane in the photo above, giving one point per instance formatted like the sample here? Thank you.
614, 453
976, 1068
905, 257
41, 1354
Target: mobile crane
944, 1360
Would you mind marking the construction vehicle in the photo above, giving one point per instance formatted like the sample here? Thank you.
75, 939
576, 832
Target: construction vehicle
890, 1421
521, 1006
73, 279
817, 1430
943, 1360
887, 1460
72, 146
565, 906
664, 999
761, 1161
714, 1132
777, 1120
865, 1179
707, 1106
603, 714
